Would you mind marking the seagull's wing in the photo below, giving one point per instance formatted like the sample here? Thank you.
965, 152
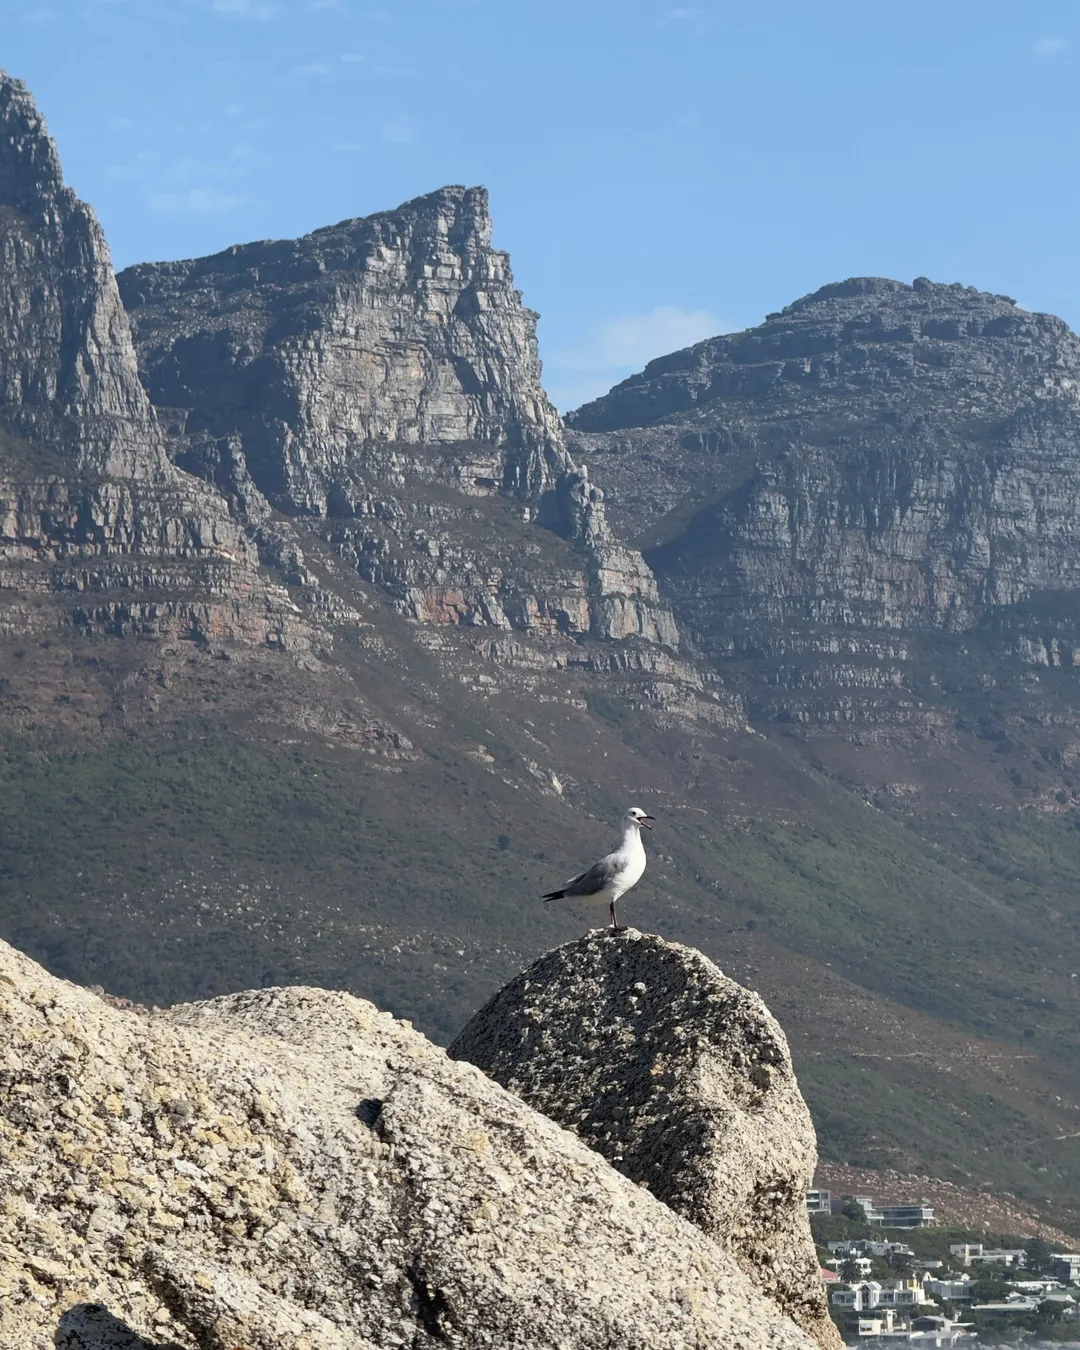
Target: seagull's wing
598, 878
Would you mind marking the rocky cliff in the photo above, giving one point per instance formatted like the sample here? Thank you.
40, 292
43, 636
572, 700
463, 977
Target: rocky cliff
381, 375
291, 1169
402, 327
98, 530
875, 464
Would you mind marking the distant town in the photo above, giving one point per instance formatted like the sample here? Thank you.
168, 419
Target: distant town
932, 1290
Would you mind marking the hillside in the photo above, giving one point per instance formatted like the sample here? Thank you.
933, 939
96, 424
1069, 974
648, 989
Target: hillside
323, 657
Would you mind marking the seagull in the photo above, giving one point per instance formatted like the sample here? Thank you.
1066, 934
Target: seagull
615, 873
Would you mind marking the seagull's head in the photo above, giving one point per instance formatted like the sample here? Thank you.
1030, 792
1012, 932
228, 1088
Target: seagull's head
640, 818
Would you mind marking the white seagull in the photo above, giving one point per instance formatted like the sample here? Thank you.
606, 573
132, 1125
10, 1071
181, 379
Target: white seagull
614, 874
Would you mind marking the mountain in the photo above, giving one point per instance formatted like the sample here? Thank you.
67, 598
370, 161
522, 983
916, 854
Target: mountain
323, 653
831, 495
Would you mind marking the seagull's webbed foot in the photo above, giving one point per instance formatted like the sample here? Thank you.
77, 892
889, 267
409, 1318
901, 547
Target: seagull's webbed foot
615, 926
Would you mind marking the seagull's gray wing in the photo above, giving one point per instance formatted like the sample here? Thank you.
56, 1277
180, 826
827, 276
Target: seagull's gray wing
598, 878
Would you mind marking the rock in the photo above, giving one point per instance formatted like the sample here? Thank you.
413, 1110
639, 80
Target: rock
832, 494
68, 376
90, 504
683, 1080
401, 327
355, 374
290, 1169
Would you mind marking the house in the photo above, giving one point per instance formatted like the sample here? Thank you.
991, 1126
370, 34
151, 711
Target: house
1016, 1305
866, 1204
871, 1248
975, 1254
1065, 1268
893, 1216
907, 1216
870, 1294
923, 1331
819, 1202
881, 1324
902, 1294
858, 1297
1042, 1287
863, 1265
1011, 1258
938, 1331
955, 1291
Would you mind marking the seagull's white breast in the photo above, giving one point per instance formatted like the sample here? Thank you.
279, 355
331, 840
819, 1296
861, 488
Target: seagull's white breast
631, 859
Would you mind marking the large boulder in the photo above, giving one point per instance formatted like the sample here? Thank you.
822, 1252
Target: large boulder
291, 1169
683, 1080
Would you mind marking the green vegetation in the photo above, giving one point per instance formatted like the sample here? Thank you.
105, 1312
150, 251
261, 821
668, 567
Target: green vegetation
188, 867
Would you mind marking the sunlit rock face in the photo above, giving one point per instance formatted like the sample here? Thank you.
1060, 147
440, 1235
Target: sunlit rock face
398, 328
93, 515
877, 463
381, 376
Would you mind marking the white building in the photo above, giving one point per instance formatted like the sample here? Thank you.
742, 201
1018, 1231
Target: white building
870, 1294
1065, 1267
975, 1254
819, 1202
893, 1216
870, 1248
1016, 1305
859, 1298
863, 1264
956, 1291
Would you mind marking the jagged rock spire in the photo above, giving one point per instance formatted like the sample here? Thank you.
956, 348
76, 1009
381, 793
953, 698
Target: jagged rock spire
68, 375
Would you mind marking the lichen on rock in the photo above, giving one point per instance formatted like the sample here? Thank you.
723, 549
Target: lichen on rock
683, 1080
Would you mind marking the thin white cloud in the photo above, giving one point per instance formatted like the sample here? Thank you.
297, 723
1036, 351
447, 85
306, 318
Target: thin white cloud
201, 199
143, 164
313, 70
633, 339
682, 14
1049, 46
352, 58
398, 130
39, 15
259, 10
621, 345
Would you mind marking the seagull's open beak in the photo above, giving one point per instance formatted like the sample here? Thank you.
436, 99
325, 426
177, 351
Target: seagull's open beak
643, 821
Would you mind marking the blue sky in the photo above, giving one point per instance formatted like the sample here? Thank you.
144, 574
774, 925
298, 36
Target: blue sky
658, 172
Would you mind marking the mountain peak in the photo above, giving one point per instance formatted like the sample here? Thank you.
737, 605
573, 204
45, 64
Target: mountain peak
844, 335
29, 163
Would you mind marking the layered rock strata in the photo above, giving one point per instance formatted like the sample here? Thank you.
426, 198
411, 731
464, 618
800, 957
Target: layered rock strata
381, 377
682, 1080
875, 464
292, 1168
92, 511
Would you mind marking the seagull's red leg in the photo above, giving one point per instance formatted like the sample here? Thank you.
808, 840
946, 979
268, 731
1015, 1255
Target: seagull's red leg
613, 923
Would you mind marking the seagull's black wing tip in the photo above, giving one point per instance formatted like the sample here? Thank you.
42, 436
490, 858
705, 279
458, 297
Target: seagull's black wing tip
555, 895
